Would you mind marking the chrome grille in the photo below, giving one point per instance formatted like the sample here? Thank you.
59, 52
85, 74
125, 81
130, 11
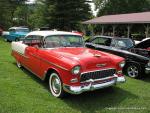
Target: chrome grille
97, 74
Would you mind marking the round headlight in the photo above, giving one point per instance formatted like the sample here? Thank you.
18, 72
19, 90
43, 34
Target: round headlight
122, 64
76, 70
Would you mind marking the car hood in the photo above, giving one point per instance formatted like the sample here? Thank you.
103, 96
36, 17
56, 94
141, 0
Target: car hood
88, 58
122, 53
143, 43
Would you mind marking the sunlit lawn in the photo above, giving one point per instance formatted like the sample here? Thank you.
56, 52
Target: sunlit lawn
22, 92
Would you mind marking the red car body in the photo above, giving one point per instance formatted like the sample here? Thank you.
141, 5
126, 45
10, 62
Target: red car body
97, 69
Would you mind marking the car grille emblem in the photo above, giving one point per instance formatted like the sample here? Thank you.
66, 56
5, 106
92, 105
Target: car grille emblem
100, 65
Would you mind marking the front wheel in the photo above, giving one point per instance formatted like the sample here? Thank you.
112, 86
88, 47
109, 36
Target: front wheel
133, 70
55, 85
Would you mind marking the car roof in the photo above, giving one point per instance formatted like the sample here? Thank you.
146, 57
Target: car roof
47, 33
110, 37
18, 28
146, 39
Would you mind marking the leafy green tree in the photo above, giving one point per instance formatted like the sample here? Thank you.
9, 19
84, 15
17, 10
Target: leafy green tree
107, 7
67, 14
7, 11
20, 15
37, 17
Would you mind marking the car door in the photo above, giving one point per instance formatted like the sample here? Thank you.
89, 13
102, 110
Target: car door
32, 52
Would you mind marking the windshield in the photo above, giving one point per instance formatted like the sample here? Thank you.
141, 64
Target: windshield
22, 30
19, 30
124, 43
63, 41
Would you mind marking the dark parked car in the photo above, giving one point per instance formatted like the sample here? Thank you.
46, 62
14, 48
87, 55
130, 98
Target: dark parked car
119, 43
136, 65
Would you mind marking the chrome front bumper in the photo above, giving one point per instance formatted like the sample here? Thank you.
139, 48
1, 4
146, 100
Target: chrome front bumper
92, 85
147, 70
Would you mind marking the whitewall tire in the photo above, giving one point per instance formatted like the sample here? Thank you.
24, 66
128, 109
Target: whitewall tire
55, 85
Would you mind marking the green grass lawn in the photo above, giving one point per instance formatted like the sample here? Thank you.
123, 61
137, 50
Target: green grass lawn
22, 92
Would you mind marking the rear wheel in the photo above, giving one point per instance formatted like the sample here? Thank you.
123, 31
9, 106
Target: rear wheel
55, 85
6, 39
133, 70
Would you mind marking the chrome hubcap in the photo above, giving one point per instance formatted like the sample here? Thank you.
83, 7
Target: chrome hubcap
56, 84
133, 71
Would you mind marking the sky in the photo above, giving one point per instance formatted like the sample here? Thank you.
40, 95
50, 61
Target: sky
91, 4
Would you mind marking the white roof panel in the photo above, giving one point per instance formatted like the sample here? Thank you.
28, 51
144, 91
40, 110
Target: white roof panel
47, 33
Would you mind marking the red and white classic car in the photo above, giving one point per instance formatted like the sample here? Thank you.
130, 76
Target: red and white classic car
62, 58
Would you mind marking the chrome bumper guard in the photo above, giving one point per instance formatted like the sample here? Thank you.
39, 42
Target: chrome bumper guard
147, 70
93, 86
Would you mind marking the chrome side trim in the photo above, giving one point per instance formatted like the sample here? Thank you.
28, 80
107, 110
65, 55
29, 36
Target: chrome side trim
42, 78
50, 62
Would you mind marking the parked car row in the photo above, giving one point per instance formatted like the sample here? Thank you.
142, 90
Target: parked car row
70, 67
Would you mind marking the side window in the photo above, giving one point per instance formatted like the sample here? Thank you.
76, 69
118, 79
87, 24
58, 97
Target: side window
33, 40
27, 40
102, 41
12, 30
113, 44
96, 41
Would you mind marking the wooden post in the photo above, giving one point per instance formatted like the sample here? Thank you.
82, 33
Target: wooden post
114, 27
102, 30
147, 31
128, 33
84, 28
92, 30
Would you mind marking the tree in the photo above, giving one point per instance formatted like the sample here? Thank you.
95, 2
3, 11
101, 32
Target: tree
67, 14
7, 11
37, 17
107, 7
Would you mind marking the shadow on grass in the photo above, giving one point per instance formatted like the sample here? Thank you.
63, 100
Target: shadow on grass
146, 78
91, 102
